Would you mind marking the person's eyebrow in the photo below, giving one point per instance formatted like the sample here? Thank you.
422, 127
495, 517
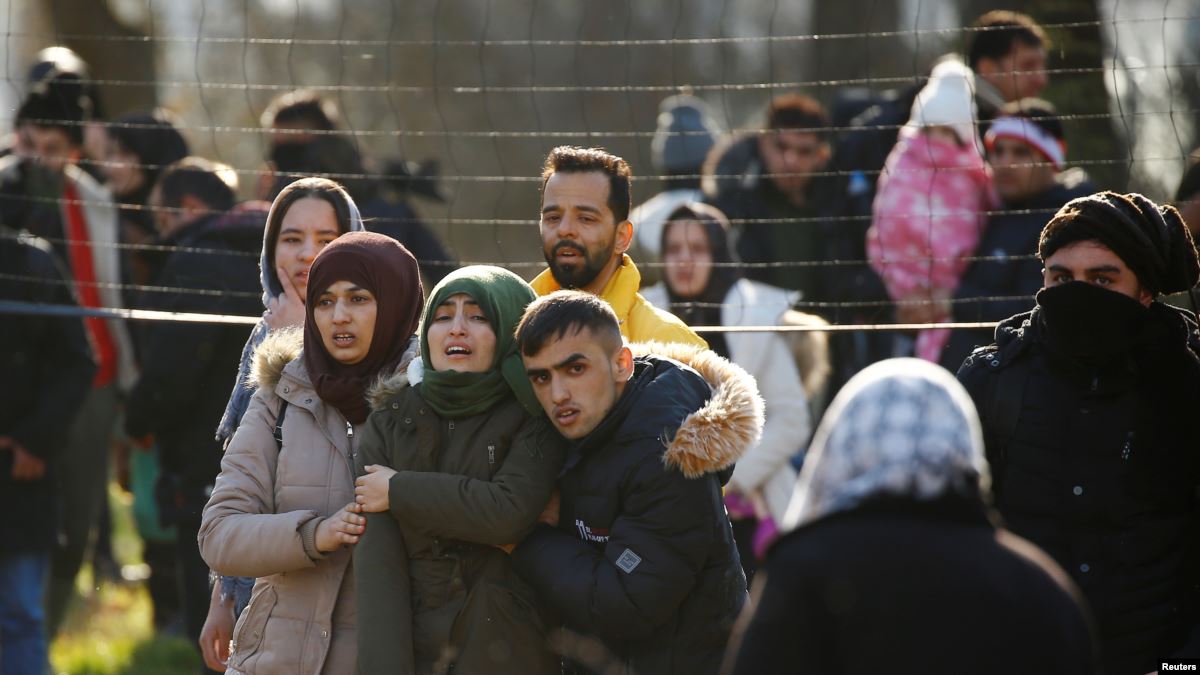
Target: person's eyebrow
1104, 269
296, 230
582, 207
1058, 268
449, 302
538, 372
569, 360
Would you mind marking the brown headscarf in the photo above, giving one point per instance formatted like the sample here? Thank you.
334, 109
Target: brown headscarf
383, 266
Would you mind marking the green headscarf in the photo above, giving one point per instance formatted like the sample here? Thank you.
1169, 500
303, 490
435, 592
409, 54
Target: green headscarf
503, 297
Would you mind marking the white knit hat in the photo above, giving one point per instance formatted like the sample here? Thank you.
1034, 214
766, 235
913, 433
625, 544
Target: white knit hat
948, 100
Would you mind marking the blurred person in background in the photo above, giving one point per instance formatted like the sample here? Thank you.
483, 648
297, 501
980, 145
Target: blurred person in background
47, 367
686, 133
137, 148
1007, 52
586, 232
1088, 405
1026, 150
892, 562
701, 287
765, 184
207, 267
50, 195
932, 203
306, 138
140, 146
306, 216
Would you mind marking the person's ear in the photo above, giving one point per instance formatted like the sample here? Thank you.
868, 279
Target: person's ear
1145, 296
624, 238
986, 67
624, 364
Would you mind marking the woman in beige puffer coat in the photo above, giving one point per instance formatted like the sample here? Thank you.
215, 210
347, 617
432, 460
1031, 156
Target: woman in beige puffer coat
282, 510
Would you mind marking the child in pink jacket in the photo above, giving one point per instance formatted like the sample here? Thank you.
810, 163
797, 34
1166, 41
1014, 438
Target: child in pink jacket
931, 205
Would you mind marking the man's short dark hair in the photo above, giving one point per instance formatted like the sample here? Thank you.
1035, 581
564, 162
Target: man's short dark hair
998, 31
302, 108
1041, 113
553, 316
573, 159
56, 105
797, 112
210, 182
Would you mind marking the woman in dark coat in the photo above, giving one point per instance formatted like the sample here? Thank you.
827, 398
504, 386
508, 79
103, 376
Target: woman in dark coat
892, 562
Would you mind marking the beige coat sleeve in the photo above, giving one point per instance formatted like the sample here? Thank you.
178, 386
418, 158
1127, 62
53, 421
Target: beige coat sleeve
240, 533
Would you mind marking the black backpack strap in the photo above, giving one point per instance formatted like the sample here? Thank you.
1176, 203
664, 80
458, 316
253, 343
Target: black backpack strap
283, 406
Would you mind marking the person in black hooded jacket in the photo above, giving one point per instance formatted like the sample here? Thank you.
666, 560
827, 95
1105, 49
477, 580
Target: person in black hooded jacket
184, 381
638, 553
1087, 404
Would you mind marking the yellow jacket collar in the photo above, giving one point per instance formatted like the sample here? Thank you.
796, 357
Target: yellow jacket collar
620, 292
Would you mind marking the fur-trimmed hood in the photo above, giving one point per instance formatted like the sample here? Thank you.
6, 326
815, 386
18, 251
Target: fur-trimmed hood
281, 347
385, 388
272, 355
714, 437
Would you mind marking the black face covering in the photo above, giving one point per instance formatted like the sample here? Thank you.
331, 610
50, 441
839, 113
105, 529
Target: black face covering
1090, 324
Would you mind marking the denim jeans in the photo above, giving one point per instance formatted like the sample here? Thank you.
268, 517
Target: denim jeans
22, 617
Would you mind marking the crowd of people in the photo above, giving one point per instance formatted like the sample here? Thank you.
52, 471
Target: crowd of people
407, 465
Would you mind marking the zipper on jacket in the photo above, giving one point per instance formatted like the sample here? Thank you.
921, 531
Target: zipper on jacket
353, 454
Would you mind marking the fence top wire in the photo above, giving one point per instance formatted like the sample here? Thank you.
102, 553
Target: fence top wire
467, 178
28, 308
737, 132
195, 40
590, 88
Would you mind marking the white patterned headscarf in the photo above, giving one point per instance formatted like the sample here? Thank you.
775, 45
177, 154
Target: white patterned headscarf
901, 428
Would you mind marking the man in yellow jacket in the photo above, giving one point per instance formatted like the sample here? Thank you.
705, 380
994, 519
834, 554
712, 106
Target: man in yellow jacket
585, 231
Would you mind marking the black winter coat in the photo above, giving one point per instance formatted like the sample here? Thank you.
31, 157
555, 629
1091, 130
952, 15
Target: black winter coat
1099, 467
643, 558
398, 220
46, 368
1012, 283
737, 185
186, 367
898, 586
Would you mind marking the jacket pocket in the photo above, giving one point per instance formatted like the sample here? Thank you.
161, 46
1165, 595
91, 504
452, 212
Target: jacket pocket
248, 633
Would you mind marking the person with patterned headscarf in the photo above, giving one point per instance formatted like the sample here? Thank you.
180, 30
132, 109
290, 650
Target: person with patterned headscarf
1088, 404
891, 561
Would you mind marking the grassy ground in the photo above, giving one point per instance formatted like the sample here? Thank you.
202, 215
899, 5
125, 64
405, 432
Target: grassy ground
109, 627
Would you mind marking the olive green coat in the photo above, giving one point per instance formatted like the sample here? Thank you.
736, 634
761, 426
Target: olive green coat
434, 592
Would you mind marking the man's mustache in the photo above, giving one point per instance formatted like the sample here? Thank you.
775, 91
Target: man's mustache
568, 244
